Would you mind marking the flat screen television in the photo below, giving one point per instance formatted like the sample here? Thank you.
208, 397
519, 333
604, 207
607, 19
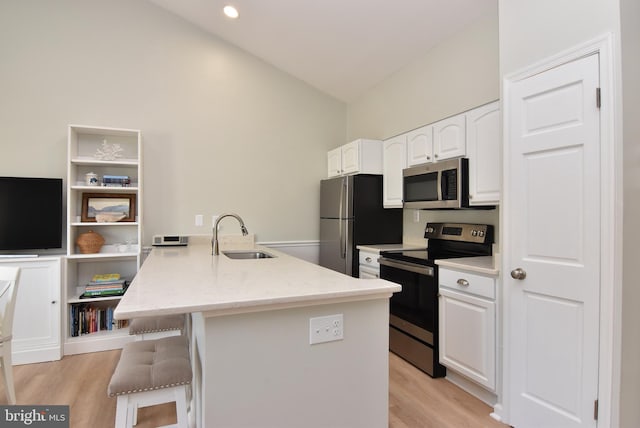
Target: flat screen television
30, 213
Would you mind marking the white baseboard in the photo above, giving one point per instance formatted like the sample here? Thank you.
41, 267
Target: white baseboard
472, 388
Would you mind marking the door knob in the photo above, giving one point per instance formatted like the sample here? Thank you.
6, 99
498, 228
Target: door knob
518, 273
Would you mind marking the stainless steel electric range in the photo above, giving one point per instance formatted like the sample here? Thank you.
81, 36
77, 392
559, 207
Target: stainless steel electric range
413, 329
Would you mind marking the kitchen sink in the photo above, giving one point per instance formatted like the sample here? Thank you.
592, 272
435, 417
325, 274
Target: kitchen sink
247, 255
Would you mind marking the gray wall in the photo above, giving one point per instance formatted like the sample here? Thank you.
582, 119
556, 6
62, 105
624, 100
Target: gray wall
222, 130
630, 369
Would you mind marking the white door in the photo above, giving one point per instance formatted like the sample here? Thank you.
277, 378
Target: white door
553, 237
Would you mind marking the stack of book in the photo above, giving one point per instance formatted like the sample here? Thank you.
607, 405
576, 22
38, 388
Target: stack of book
105, 285
116, 181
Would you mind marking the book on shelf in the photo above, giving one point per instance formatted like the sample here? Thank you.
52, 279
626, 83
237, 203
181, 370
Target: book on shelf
105, 290
87, 319
105, 277
116, 181
119, 282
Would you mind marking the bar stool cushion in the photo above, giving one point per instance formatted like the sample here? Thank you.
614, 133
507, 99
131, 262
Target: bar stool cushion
156, 324
151, 364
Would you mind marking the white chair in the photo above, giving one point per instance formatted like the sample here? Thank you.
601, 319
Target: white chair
9, 277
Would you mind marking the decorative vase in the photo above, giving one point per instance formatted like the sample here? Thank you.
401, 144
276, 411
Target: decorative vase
90, 242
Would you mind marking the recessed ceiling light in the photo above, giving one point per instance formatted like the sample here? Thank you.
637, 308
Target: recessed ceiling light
231, 11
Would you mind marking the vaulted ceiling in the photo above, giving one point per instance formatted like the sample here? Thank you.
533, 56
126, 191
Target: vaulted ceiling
341, 47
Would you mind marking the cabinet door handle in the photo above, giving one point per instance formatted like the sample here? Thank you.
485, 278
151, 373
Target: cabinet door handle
53, 302
463, 282
367, 259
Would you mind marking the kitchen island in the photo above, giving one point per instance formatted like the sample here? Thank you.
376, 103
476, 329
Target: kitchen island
252, 358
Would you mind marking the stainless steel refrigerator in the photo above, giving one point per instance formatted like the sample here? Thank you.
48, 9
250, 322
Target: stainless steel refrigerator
352, 214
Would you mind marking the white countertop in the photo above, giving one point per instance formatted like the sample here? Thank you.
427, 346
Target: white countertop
376, 248
189, 279
484, 265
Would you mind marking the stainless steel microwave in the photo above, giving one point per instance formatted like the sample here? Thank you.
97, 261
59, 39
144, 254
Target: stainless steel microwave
438, 185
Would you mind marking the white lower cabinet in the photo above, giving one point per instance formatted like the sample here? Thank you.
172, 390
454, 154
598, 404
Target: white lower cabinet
369, 266
467, 330
37, 314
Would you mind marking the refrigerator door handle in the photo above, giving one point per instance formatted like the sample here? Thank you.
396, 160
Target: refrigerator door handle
343, 240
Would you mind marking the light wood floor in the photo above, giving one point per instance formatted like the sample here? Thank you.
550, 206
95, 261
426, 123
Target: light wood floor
80, 381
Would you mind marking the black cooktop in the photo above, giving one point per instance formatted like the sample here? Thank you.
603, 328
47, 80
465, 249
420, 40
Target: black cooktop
447, 241
419, 256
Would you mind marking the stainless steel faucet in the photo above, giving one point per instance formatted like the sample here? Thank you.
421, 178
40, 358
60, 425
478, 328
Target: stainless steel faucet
215, 249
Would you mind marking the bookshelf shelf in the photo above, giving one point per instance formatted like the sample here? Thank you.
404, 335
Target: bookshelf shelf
121, 252
77, 299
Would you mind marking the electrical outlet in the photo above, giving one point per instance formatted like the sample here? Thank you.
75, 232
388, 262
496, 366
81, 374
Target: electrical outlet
199, 220
326, 329
416, 216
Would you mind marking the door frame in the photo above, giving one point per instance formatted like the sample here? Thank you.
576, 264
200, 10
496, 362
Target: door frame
611, 222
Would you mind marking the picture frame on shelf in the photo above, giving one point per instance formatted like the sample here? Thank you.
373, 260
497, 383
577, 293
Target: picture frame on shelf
108, 207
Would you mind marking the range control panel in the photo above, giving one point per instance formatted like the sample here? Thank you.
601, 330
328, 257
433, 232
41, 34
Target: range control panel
481, 233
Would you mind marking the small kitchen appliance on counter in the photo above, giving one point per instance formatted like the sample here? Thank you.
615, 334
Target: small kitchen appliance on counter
170, 241
413, 319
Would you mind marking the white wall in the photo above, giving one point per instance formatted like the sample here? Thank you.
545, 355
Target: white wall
456, 75
222, 130
533, 30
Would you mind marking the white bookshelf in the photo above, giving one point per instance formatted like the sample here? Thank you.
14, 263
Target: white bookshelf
121, 252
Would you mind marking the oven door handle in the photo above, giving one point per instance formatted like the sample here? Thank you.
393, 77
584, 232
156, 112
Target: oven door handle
422, 270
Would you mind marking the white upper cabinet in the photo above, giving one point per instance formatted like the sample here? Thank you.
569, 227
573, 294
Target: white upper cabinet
420, 145
358, 157
449, 138
351, 157
483, 150
395, 160
334, 162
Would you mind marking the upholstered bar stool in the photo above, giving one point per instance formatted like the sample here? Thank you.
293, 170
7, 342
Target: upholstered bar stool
151, 372
156, 327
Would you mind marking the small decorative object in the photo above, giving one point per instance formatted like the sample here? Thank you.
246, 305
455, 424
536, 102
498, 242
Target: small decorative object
108, 151
108, 207
90, 242
91, 179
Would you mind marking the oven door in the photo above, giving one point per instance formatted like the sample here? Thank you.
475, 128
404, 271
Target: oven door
414, 310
